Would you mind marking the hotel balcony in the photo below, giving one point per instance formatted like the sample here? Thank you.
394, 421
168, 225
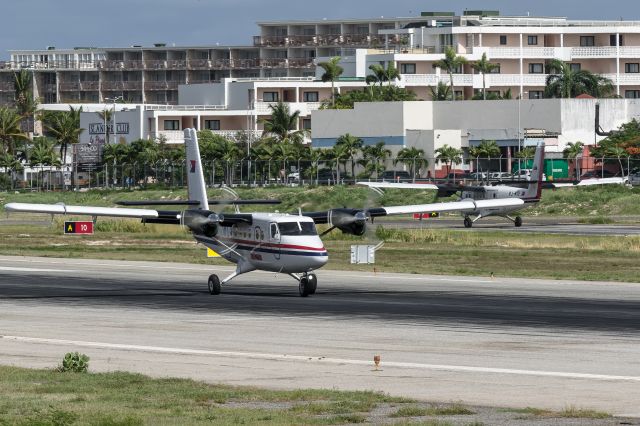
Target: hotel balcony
69, 86
6, 86
473, 80
177, 136
305, 108
89, 86
563, 53
162, 85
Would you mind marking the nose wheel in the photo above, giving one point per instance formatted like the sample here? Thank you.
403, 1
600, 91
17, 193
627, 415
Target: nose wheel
307, 285
468, 223
518, 222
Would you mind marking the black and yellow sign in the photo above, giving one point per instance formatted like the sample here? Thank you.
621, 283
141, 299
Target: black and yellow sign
78, 228
429, 215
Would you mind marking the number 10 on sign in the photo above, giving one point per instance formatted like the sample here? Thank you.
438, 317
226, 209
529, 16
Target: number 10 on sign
78, 228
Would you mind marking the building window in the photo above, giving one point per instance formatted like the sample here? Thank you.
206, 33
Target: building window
575, 67
407, 68
270, 97
612, 40
212, 124
172, 124
495, 70
310, 96
587, 41
632, 68
306, 123
457, 70
532, 40
632, 94
536, 68
503, 40
536, 94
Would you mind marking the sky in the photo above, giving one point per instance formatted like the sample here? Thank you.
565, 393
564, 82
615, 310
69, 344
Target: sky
36, 24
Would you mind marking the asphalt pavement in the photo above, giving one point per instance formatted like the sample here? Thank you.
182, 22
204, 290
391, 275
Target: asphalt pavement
495, 342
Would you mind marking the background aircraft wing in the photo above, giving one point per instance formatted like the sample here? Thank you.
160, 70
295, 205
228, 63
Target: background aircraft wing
81, 210
398, 185
453, 206
590, 182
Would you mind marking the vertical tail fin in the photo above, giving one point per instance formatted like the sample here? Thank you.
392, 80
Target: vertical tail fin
534, 189
195, 178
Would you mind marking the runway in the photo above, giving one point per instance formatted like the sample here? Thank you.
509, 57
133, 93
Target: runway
547, 225
495, 342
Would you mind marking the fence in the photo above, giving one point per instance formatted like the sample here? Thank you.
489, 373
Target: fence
300, 171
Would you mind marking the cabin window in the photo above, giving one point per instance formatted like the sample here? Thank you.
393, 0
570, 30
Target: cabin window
297, 228
274, 230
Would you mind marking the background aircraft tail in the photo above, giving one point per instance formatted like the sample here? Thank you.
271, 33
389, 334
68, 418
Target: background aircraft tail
534, 189
195, 178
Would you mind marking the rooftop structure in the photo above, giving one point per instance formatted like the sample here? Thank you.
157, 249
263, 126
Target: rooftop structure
521, 45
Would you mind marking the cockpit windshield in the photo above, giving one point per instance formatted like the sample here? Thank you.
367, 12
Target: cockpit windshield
297, 228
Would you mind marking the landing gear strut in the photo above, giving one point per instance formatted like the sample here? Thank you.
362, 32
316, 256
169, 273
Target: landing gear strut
307, 284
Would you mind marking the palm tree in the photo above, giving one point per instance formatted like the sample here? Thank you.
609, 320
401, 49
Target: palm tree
373, 155
563, 82
229, 152
486, 149
450, 63
619, 153
282, 124
350, 146
25, 103
65, 127
10, 131
380, 74
413, 158
332, 72
572, 151
442, 92
448, 155
43, 154
106, 116
484, 67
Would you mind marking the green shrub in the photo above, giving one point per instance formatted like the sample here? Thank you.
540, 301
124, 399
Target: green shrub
75, 362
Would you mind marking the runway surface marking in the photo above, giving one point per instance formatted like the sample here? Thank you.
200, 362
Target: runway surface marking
379, 275
16, 269
322, 360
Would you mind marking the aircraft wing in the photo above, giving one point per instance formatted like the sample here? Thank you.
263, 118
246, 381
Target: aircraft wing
590, 182
398, 185
81, 210
453, 206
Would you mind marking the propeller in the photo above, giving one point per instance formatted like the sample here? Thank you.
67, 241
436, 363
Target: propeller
202, 222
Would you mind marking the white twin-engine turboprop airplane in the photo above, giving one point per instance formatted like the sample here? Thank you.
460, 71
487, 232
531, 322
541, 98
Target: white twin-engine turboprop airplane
276, 242
483, 201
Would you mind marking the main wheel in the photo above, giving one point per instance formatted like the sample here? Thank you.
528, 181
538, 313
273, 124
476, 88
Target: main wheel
518, 222
467, 222
214, 284
304, 287
313, 283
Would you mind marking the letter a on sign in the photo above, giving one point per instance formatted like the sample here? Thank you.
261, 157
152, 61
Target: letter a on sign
70, 228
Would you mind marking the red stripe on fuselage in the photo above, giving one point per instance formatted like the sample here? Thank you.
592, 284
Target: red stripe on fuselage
285, 246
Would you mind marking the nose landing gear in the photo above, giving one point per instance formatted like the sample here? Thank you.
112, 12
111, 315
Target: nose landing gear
307, 284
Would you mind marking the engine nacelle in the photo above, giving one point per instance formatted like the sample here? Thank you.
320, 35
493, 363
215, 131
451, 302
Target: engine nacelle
349, 221
202, 222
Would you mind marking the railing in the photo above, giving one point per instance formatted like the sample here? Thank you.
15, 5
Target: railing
512, 79
304, 107
514, 52
628, 79
69, 86
162, 85
433, 79
89, 85
162, 107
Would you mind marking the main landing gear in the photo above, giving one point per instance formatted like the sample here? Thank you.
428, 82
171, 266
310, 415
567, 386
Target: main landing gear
307, 283
468, 222
214, 284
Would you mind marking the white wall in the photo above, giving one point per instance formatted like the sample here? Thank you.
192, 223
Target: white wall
202, 94
128, 125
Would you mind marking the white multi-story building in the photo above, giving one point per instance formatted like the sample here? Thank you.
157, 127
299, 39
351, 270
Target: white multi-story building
522, 46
